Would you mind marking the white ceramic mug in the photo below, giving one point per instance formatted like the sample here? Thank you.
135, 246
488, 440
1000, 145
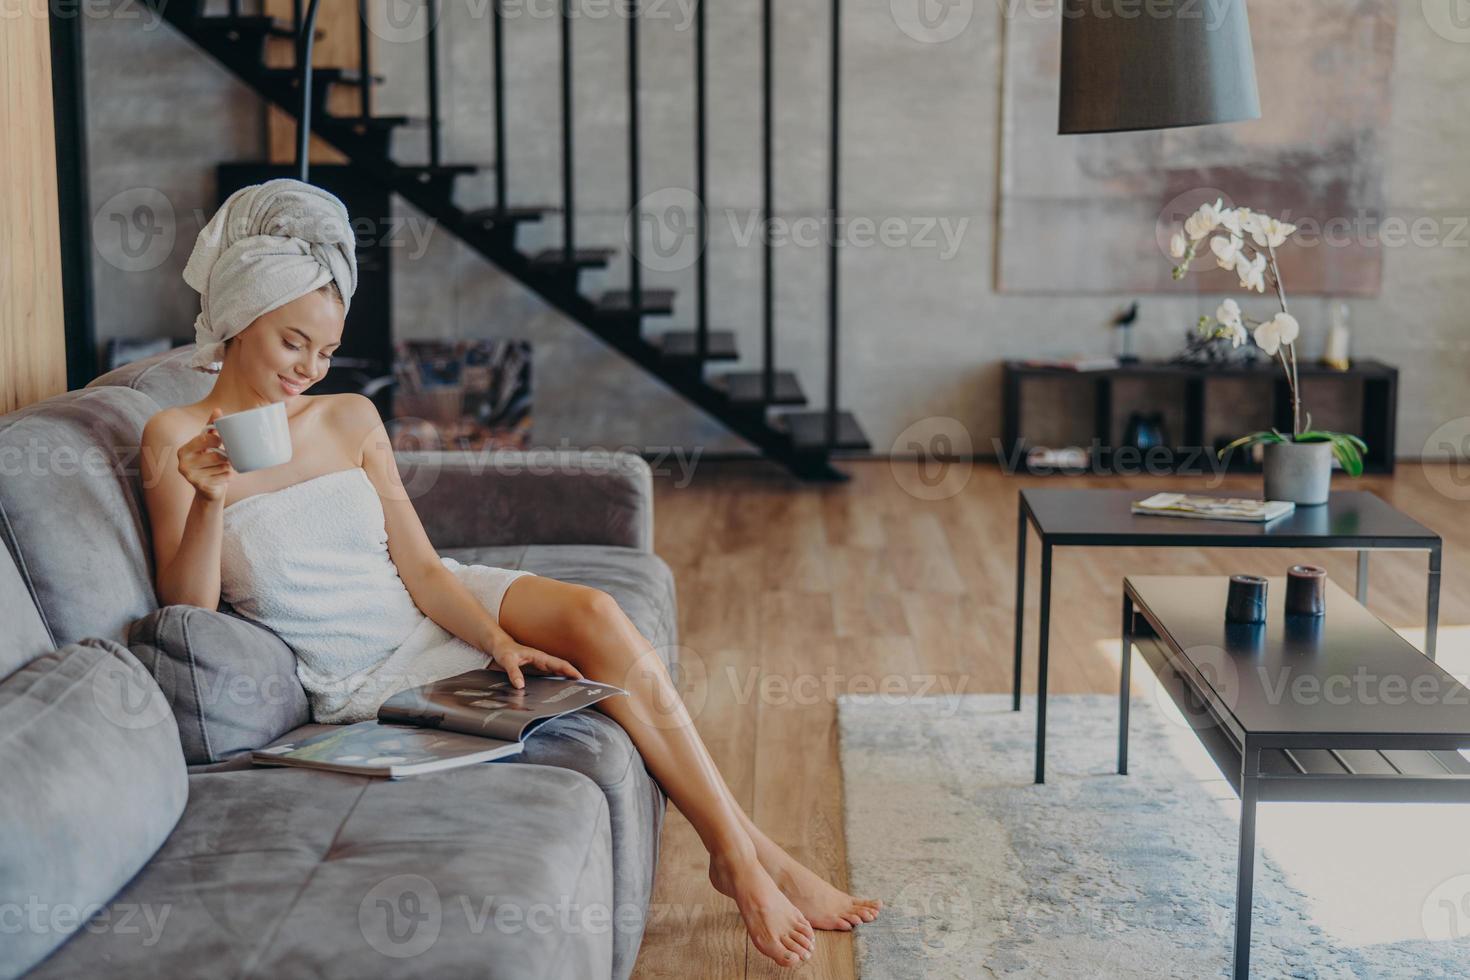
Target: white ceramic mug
256, 438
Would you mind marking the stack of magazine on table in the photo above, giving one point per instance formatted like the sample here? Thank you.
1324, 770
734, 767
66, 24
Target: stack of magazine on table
1213, 508
472, 717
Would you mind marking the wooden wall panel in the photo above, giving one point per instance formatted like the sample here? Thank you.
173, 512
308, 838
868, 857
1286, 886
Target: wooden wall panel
32, 323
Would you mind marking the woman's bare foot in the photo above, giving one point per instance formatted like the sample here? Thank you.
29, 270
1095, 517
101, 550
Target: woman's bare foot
824, 905
775, 925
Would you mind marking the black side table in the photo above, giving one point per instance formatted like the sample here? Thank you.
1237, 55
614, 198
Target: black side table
1353, 520
1366, 742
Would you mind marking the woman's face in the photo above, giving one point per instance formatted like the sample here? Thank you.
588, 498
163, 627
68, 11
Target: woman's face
289, 349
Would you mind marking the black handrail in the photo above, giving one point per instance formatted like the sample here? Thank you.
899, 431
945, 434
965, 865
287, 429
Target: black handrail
701, 286
304, 41
431, 43
497, 45
832, 297
635, 272
768, 292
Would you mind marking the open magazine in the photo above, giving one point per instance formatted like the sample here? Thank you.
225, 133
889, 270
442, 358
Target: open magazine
1213, 508
472, 717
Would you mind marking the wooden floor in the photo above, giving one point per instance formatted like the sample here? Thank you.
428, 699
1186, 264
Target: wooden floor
790, 595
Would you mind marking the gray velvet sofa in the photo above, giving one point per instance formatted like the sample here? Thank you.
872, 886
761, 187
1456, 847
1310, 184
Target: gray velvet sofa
119, 858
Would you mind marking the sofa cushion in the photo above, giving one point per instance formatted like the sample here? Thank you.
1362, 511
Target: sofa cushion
25, 636
166, 378
92, 781
73, 517
232, 683
491, 870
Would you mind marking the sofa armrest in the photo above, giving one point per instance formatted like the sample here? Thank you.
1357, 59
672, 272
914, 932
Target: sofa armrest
511, 497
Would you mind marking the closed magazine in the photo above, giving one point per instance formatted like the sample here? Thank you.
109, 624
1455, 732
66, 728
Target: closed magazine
1213, 508
470, 718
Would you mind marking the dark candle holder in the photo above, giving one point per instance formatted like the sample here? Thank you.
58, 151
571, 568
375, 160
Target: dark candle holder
1306, 590
1246, 600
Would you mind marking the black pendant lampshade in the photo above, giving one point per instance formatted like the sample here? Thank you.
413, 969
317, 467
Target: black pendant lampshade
1155, 64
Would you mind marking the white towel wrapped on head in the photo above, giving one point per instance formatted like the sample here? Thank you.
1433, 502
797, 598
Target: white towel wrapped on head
267, 245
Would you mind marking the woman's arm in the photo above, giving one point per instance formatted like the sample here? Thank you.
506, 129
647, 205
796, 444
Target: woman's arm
187, 518
434, 589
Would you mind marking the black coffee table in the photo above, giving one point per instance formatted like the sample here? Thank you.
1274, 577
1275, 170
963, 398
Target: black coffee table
1298, 709
1351, 519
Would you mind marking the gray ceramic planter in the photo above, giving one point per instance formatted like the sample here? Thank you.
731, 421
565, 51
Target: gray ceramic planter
1298, 471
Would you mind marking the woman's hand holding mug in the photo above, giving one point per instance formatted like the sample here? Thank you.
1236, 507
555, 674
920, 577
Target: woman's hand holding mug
204, 462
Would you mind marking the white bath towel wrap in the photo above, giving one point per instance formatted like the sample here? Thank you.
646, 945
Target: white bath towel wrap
310, 562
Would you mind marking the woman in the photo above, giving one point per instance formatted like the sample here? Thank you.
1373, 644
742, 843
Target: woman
275, 271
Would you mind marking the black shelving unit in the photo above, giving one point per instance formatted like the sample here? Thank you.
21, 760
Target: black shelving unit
1379, 383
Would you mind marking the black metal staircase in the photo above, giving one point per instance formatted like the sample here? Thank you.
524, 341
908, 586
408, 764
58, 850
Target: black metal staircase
762, 406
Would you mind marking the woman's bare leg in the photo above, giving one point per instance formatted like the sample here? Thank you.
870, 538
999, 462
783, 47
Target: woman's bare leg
587, 628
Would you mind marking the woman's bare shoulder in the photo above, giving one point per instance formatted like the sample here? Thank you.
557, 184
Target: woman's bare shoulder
168, 424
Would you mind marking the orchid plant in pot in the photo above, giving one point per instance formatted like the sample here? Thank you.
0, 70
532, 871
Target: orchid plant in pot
1298, 466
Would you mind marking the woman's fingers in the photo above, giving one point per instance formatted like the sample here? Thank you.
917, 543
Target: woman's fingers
557, 665
513, 671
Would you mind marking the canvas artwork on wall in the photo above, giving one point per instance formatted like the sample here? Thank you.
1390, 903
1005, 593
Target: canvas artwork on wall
1093, 213
461, 395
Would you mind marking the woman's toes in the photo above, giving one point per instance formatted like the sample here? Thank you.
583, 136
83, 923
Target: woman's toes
796, 947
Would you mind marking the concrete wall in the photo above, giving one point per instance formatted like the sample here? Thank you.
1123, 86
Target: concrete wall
923, 330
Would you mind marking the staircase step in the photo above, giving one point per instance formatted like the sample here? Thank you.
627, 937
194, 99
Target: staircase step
552, 259
684, 345
281, 27
425, 173
808, 431
290, 76
240, 40
619, 302
514, 215
746, 389
365, 123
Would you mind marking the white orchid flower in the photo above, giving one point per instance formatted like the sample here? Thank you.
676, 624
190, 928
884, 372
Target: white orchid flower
1280, 329
1236, 220
1226, 250
1236, 333
1252, 272
1229, 313
1178, 245
1204, 221
1270, 233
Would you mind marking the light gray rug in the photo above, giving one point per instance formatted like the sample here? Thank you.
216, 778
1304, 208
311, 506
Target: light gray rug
1094, 874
